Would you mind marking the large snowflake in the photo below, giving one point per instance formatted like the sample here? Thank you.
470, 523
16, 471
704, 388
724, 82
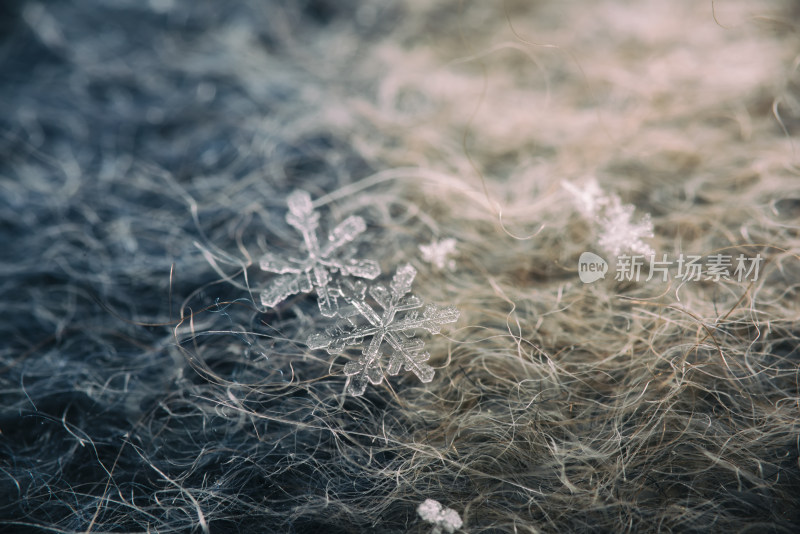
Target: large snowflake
394, 325
314, 271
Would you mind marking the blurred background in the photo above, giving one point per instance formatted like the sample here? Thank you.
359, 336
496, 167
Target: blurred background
146, 152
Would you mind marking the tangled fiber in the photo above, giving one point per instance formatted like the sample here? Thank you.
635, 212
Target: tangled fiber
147, 149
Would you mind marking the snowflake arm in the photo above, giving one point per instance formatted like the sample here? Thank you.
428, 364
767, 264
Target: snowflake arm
301, 275
345, 232
282, 287
384, 327
410, 353
365, 369
589, 199
275, 264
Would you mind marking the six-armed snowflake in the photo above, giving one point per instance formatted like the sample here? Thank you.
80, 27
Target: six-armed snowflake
394, 326
321, 261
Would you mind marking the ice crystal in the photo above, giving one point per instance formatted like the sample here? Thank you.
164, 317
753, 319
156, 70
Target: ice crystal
617, 230
321, 261
437, 252
393, 324
443, 519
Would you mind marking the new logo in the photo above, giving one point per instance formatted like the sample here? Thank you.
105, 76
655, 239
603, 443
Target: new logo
591, 267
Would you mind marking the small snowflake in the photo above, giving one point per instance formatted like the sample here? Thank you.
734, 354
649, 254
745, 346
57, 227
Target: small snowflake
619, 231
443, 519
322, 259
394, 326
438, 251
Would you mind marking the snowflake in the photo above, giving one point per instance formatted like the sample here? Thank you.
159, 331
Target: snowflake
443, 519
322, 259
618, 231
363, 321
436, 253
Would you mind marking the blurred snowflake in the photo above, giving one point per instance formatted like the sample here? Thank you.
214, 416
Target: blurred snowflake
437, 252
620, 233
617, 232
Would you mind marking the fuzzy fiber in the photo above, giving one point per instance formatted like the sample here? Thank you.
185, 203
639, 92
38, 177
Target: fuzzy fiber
147, 149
